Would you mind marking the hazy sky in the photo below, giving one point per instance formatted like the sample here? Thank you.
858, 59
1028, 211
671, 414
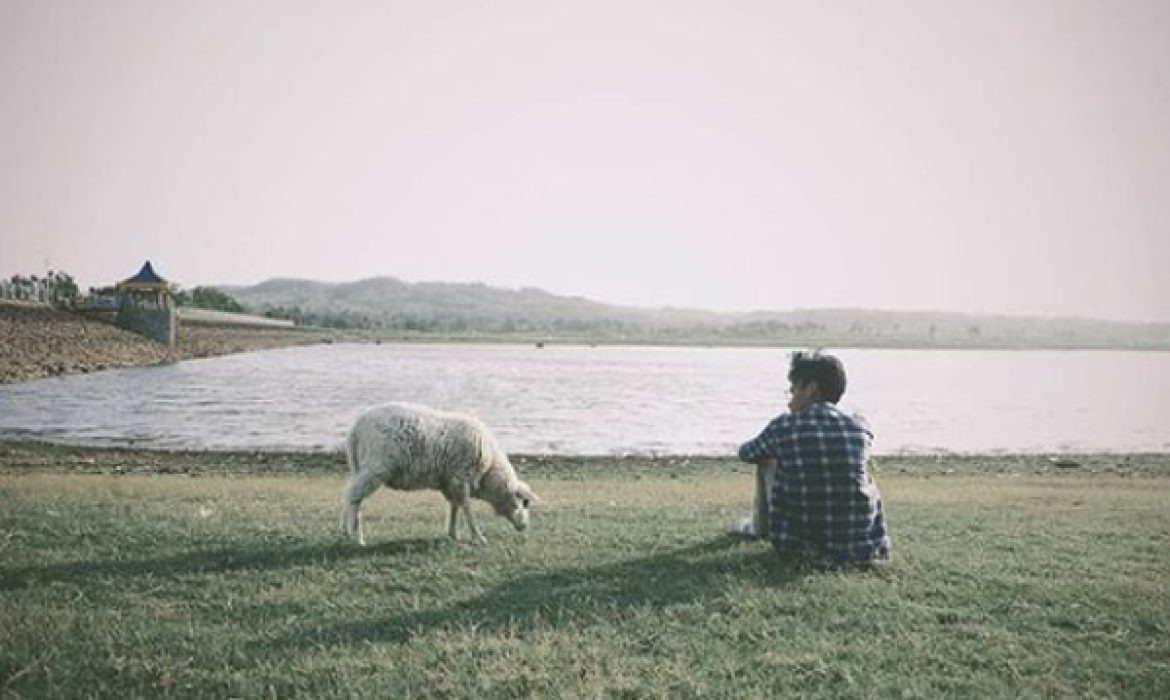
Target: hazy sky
1005, 156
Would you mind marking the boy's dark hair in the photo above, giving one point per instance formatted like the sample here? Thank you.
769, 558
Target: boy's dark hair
826, 370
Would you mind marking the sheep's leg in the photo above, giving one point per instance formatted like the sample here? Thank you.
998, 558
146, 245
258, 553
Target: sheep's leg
360, 486
451, 518
464, 503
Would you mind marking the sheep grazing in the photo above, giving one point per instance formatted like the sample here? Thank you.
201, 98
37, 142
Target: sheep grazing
411, 447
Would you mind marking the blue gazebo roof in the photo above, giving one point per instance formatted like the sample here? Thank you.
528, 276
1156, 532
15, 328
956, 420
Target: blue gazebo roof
146, 275
147, 280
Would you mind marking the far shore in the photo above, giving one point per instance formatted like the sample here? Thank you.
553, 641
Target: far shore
39, 342
29, 456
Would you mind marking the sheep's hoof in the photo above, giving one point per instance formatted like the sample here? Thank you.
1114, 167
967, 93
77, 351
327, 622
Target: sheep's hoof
346, 538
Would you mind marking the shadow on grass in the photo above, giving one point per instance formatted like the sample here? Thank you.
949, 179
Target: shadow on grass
212, 561
580, 594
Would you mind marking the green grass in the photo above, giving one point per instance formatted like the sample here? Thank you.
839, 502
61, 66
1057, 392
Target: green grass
216, 586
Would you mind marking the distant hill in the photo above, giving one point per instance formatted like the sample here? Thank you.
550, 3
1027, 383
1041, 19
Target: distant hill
391, 307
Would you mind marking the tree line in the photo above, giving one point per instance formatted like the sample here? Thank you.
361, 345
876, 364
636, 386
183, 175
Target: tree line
58, 288
437, 309
53, 287
208, 298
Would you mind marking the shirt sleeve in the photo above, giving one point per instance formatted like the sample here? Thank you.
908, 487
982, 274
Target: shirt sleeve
759, 448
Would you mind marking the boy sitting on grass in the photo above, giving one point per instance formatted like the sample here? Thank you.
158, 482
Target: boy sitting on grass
812, 465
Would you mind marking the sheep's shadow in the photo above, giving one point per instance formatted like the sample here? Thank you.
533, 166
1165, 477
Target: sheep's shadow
211, 561
698, 572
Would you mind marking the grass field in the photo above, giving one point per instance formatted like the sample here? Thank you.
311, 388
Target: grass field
1004, 585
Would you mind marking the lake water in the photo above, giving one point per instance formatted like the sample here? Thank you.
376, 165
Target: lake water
608, 400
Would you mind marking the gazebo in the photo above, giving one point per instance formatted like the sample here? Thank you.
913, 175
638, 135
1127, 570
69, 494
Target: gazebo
147, 305
147, 283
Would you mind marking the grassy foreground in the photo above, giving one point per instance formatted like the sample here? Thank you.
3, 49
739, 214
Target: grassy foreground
1005, 585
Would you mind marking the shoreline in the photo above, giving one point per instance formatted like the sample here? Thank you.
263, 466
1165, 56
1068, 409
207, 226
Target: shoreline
20, 456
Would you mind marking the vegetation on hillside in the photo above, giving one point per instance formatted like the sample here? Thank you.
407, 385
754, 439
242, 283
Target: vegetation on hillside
389, 305
208, 298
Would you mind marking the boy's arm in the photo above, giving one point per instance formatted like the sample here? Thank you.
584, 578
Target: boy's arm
758, 449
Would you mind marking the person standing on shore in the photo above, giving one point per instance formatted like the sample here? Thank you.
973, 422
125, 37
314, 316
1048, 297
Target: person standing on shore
823, 505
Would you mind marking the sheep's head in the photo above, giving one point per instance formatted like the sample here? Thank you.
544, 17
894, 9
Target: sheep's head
516, 504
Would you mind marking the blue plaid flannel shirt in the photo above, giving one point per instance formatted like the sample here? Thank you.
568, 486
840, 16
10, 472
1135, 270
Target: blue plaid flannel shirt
824, 504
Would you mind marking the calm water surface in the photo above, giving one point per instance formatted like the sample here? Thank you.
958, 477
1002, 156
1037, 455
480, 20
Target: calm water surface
608, 400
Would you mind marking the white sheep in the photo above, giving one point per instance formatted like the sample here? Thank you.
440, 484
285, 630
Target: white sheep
408, 447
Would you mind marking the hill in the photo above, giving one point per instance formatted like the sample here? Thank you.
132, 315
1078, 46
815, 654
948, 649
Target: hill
392, 307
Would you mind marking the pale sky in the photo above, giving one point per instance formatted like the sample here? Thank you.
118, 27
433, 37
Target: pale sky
987, 156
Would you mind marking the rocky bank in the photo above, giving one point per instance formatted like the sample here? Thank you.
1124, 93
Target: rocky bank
37, 341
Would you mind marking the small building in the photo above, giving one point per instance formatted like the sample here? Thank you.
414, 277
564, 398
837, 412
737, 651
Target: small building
146, 305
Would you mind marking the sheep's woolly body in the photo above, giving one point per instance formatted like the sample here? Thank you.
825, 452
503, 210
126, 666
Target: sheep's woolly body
409, 447
413, 447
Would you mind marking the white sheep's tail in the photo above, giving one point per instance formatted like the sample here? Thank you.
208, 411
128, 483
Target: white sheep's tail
351, 452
